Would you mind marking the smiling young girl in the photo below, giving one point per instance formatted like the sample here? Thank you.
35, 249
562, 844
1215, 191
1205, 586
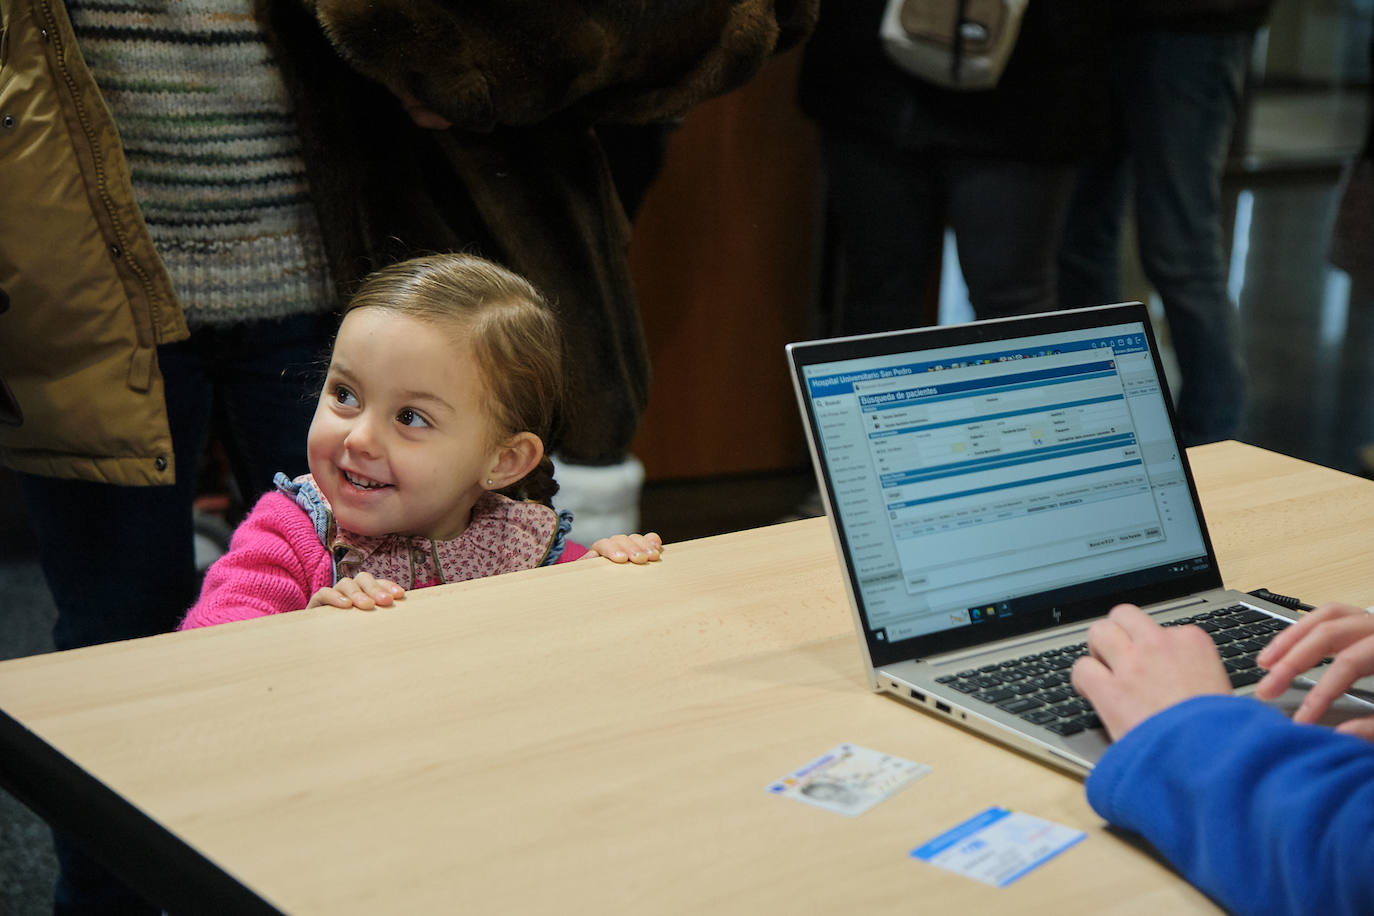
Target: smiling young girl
427, 453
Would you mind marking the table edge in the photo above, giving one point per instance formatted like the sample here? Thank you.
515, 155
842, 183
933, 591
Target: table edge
85, 808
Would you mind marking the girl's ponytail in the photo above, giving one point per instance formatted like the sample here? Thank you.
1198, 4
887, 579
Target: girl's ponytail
538, 485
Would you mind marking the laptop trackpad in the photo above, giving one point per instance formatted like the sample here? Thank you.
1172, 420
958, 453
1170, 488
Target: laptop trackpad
1091, 744
1343, 708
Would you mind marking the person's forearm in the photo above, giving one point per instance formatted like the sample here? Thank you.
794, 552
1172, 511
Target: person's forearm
1262, 815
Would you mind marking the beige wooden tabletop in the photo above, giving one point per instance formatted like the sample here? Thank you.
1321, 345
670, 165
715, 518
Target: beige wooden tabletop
594, 738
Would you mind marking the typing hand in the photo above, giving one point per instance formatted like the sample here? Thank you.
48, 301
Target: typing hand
1342, 631
628, 548
364, 592
1136, 668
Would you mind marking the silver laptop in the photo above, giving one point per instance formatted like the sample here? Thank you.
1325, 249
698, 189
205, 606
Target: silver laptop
993, 488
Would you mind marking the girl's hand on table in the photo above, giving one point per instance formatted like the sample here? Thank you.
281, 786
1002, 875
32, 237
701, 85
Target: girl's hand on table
364, 592
628, 548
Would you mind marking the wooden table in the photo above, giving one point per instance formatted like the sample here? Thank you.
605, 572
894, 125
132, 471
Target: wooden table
587, 738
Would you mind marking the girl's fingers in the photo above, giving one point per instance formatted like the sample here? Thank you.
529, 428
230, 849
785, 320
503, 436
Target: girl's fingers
382, 591
355, 593
363, 592
628, 548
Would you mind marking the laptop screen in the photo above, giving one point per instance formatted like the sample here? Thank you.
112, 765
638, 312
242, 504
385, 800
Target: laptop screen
999, 477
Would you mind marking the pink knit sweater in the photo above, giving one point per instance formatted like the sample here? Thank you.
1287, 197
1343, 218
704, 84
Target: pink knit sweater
276, 562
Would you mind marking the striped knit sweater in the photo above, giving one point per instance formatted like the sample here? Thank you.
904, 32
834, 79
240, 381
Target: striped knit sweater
211, 140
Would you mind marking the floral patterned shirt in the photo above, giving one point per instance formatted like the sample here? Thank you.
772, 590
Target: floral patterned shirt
504, 535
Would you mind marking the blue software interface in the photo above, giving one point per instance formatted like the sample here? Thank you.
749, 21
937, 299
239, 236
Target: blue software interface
968, 477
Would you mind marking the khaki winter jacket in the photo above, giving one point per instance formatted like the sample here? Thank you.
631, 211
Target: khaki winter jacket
86, 300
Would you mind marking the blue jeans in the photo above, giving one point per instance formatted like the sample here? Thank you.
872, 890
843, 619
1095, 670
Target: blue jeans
1176, 97
887, 213
120, 561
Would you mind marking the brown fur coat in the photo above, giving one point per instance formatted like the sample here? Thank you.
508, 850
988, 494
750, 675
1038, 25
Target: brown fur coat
520, 62
521, 177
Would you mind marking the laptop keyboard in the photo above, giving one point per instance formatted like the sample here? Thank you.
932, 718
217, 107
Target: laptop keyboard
1036, 687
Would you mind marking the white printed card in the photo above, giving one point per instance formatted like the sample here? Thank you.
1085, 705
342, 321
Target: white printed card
849, 779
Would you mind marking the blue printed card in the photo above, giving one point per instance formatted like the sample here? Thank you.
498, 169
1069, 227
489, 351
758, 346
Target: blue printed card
998, 846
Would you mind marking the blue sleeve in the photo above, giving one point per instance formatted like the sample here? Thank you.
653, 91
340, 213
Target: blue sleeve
1264, 816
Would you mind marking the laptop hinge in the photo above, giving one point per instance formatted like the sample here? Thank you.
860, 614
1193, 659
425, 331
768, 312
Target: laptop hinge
1000, 647
1175, 605
1041, 635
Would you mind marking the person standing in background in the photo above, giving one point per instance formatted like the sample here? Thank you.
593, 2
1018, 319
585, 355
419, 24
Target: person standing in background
190, 187
1177, 76
905, 158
